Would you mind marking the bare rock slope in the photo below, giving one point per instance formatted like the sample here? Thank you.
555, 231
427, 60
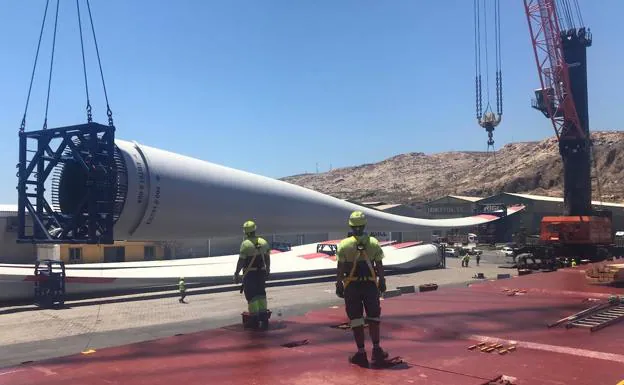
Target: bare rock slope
531, 167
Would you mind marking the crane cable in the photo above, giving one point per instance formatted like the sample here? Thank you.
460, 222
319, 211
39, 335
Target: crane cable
32, 76
487, 57
478, 9
569, 14
45, 120
499, 64
109, 112
481, 17
84, 64
477, 49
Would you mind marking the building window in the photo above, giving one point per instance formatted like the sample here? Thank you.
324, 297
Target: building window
149, 252
115, 254
75, 254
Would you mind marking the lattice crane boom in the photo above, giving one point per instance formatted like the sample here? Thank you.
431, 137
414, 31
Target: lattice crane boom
555, 98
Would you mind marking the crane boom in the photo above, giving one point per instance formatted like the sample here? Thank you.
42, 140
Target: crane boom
555, 98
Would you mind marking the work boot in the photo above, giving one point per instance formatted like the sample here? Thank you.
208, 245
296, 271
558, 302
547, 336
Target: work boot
252, 322
359, 359
263, 320
379, 356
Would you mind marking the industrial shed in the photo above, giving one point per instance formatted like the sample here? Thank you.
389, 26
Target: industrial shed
538, 206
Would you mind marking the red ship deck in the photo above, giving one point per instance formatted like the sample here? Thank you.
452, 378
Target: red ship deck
431, 331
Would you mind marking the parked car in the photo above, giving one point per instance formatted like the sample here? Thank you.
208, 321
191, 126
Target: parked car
507, 250
281, 246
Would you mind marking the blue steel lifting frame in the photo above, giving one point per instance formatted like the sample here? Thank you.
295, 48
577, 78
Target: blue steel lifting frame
90, 147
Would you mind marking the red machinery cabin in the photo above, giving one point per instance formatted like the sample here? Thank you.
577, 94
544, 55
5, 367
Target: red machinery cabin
579, 230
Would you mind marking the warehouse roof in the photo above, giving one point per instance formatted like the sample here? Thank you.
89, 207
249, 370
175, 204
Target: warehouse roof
8, 209
388, 206
457, 197
556, 199
466, 198
373, 203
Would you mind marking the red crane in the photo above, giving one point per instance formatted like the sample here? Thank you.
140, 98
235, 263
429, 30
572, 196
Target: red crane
560, 55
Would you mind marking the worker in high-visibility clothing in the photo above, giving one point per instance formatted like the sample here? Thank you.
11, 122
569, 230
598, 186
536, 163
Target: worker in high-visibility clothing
360, 281
255, 261
182, 289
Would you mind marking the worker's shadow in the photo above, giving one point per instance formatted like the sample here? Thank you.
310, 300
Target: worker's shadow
276, 325
395, 363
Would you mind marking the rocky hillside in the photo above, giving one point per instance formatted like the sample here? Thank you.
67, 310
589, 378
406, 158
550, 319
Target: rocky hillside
533, 167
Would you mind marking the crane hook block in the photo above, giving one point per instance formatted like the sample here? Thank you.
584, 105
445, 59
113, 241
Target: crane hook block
490, 120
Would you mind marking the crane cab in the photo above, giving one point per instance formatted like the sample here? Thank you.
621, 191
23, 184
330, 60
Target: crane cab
543, 98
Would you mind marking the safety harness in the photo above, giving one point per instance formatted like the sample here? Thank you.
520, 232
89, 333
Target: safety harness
251, 263
253, 258
361, 249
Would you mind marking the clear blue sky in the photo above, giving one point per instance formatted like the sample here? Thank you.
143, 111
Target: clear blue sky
274, 86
